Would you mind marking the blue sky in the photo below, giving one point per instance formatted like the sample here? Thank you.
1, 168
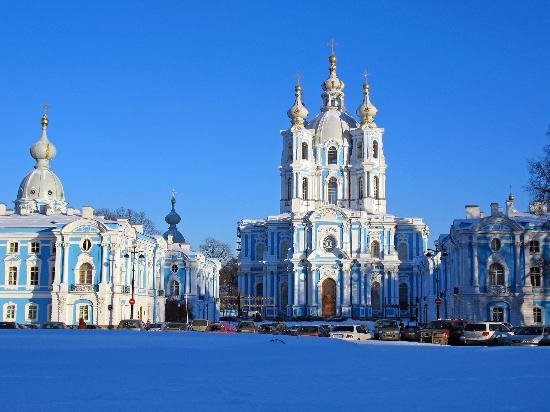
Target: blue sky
146, 97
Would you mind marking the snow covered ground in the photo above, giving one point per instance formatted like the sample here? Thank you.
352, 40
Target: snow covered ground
134, 371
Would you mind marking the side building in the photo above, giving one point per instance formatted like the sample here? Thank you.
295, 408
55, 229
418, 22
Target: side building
333, 250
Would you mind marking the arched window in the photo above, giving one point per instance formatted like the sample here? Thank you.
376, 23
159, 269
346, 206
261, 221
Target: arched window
375, 149
85, 274
496, 275
403, 296
537, 315
497, 313
359, 150
332, 191
376, 188
304, 151
289, 150
174, 288
375, 295
289, 188
403, 252
375, 249
304, 189
360, 186
332, 155
260, 248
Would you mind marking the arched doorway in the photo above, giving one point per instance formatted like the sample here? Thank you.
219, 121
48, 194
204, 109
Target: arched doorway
329, 297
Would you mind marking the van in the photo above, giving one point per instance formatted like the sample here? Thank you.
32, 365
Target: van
199, 325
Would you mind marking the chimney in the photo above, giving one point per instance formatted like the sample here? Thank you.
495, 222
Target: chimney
495, 209
87, 212
472, 211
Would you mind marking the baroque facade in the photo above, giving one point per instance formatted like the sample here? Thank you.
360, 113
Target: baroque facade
63, 264
333, 249
491, 267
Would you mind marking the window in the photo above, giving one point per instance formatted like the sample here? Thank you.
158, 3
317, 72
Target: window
403, 252
14, 247
375, 149
497, 314
54, 248
376, 188
403, 296
35, 247
260, 248
375, 249
289, 150
332, 156
32, 312
83, 313
12, 275
332, 191
284, 249
496, 275
52, 275
10, 313
495, 244
534, 246
535, 277
360, 187
375, 295
174, 268
359, 150
33, 276
85, 274
289, 188
86, 245
259, 289
537, 315
304, 151
174, 288
304, 189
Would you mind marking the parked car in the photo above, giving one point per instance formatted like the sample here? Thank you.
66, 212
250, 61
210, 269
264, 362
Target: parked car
154, 327
410, 333
246, 327
529, 336
9, 325
486, 333
443, 332
54, 325
351, 332
291, 330
93, 327
220, 328
131, 324
307, 330
199, 325
387, 329
277, 328
174, 327
324, 331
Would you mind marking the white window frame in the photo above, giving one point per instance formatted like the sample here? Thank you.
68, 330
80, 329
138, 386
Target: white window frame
27, 310
5, 311
34, 247
534, 246
79, 307
30, 280
540, 314
13, 247
8, 278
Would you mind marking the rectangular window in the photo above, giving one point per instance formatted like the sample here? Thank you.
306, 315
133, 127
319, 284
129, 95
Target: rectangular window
12, 275
10, 312
32, 313
14, 247
535, 276
83, 313
534, 246
34, 276
537, 315
35, 247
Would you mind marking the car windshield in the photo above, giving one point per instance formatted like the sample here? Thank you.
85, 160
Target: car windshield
199, 322
439, 325
532, 330
475, 327
342, 329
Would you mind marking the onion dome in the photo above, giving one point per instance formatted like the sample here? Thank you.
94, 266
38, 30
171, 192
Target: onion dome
367, 111
298, 113
43, 150
333, 94
173, 219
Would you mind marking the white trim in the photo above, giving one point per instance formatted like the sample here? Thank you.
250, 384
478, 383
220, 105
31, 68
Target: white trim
5, 310
27, 307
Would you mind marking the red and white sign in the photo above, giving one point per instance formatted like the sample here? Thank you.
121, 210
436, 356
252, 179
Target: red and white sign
438, 301
132, 301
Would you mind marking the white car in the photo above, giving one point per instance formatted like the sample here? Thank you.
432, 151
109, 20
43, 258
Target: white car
486, 333
350, 332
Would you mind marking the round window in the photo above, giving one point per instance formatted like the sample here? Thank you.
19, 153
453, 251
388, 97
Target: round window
33, 192
86, 245
495, 244
50, 193
329, 243
175, 268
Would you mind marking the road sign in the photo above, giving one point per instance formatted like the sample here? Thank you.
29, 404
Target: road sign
132, 301
438, 301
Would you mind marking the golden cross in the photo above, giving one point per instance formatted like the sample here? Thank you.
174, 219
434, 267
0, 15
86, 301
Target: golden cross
45, 106
173, 193
298, 77
365, 75
332, 44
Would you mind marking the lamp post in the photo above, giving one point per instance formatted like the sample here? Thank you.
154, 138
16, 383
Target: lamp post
431, 254
133, 253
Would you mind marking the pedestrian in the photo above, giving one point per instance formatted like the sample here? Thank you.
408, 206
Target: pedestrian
82, 324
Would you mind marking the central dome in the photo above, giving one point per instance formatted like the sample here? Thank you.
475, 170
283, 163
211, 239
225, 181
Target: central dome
332, 125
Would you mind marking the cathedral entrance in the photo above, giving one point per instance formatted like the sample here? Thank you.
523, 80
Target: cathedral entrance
329, 297
174, 311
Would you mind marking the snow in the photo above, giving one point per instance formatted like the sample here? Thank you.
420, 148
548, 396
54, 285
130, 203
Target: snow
126, 370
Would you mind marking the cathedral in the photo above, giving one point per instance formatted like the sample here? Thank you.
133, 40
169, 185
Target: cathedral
333, 250
64, 264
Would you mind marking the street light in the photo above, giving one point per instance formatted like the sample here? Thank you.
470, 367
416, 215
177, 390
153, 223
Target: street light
141, 256
431, 254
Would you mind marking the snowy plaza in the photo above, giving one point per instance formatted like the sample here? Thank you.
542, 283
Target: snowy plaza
134, 371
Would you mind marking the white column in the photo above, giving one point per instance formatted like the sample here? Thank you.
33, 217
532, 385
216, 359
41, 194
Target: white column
475, 263
102, 274
65, 274
517, 253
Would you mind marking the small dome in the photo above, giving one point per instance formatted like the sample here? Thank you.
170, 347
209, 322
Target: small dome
41, 184
172, 218
298, 112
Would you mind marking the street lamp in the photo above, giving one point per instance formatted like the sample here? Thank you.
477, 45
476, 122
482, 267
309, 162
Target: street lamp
141, 256
431, 254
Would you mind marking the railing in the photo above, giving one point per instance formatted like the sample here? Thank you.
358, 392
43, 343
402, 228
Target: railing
497, 290
84, 288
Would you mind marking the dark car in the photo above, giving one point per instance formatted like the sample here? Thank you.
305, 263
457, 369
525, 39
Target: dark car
309, 330
324, 331
8, 325
54, 325
410, 333
443, 332
174, 327
246, 326
386, 329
